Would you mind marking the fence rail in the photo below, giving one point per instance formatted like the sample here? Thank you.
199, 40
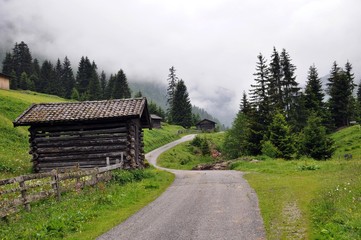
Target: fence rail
23, 190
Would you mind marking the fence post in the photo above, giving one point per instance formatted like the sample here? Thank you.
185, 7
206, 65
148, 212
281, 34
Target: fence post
23, 194
56, 185
108, 161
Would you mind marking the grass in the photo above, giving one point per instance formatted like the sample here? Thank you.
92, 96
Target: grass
186, 156
90, 213
14, 146
296, 197
156, 138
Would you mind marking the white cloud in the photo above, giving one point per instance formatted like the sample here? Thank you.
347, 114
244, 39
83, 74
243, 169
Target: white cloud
213, 44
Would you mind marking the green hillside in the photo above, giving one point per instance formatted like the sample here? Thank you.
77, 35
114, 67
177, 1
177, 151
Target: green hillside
14, 146
14, 157
348, 141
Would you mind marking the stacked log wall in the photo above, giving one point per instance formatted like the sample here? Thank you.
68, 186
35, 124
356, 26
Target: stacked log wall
83, 145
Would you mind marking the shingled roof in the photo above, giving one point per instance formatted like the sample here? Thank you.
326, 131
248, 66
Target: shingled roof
85, 111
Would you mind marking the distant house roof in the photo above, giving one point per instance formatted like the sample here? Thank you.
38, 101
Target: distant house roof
156, 117
4, 75
205, 121
44, 113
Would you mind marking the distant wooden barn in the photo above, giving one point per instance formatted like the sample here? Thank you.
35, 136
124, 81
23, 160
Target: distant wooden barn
85, 133
206, 125
4, 81
156, 121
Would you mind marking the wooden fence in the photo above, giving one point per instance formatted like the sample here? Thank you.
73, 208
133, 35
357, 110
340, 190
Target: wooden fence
23, 190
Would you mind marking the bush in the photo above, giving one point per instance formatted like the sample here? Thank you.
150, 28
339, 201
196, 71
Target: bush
270, 150
197, 141
125, 176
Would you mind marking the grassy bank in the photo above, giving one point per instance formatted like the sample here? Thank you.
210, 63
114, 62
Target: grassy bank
88, 214
185, 155
14, 145
156, 138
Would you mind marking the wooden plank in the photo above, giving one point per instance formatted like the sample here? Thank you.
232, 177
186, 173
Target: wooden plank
81, 156
83, 142
79, 149
71, 138
81, 132
76, 126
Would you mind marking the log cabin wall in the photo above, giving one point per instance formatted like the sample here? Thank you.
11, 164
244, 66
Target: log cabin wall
86, 145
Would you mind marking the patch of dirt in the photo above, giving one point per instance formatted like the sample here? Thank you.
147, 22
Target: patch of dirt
293, 227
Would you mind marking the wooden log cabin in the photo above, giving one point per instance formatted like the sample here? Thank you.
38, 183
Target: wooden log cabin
206, 125
85, 134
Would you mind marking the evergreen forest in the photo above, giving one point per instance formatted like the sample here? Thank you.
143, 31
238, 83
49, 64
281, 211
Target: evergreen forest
89, 83
279, 119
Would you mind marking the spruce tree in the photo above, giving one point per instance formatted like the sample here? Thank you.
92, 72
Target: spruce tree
280, 136
290, 87
121, 88
21, 59
314, 141
7, 64
172, 83
67, 77
46, 73
181, 112
259, 98
57, 86
35, 76
94, 89
313, 92
103, 84
83, 76
275, 91
340, 88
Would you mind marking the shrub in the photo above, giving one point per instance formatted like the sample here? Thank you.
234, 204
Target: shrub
270, 150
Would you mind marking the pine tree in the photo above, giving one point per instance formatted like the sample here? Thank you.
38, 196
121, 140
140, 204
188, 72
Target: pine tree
313, 91
35, 76
67, 77
121, 88
7, 64
340, 88
94, 88
46, 73
108, 93
23, 81
280, 136
21, 59
57, 85
172, 83
290, 87
275, 92
103, 84
181, 112
315, 142
83, 76
259, 92
245, 106
236, 141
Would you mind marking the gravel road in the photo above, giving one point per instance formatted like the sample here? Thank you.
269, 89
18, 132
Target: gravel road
209, 205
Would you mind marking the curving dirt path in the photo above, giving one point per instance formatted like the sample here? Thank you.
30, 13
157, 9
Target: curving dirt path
198, 205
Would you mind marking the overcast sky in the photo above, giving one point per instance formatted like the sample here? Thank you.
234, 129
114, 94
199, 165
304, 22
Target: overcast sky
213, 44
